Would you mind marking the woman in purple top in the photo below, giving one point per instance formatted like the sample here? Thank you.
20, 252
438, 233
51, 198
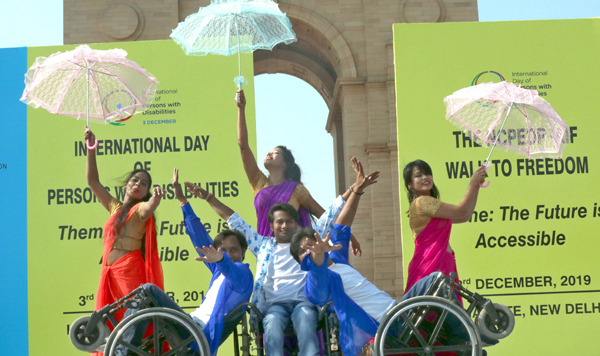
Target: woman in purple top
283, 185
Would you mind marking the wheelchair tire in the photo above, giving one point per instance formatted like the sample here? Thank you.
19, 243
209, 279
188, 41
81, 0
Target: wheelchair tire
164, 322
408, 310
92, 342
488, 329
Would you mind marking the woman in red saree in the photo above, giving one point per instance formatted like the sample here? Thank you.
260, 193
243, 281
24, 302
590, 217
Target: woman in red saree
283, 184
431, 220
130, 255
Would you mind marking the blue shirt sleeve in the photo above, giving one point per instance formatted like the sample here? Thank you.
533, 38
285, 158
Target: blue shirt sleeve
197, 232
340, 235
237, 275
317, 286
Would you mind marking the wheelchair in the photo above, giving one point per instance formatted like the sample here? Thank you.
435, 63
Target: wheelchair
435, 324
249, 338
173, 332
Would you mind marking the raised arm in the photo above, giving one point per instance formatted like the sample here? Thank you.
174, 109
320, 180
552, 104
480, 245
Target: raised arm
148, 207
248, 159
221, 209
348, 213
238, 275
462, 212
317, 279
91, 172
193, 226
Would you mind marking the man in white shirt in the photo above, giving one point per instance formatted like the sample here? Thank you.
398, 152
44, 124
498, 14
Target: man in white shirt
279, 285
279, 281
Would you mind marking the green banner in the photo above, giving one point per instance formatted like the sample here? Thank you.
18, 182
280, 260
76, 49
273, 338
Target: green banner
191, 125
531, 243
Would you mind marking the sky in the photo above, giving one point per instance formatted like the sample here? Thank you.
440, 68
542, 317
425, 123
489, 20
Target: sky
40, 22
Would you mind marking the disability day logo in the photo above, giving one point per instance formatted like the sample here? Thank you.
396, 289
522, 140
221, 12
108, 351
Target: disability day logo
493, 78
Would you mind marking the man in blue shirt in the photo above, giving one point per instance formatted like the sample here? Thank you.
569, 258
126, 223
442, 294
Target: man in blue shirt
231, 283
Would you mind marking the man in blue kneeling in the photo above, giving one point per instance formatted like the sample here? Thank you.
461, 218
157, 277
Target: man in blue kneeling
231, 283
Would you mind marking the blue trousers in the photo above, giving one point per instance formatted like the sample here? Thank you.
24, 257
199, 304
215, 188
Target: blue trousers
303, 316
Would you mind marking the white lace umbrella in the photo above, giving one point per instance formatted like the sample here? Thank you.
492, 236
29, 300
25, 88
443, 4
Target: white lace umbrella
226, 27
102, 86
508, 118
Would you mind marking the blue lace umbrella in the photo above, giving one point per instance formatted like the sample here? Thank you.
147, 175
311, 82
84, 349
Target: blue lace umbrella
228, 26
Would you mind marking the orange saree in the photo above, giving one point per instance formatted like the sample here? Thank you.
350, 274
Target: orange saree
131, 270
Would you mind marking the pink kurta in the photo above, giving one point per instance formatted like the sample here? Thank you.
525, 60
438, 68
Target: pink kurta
431, 244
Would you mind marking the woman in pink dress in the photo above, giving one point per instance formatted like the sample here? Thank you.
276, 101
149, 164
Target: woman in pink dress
431, 220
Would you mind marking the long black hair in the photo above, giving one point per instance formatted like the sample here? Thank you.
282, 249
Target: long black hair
407, 173
122, 213
292, 171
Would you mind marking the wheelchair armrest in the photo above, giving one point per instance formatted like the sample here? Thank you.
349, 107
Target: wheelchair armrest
252, 308
323, 310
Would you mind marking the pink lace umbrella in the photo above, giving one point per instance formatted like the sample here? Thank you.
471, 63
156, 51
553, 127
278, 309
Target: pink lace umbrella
508, 117
102, 86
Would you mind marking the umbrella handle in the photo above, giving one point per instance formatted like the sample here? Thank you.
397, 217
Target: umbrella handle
237, 95
487, 166
87, 141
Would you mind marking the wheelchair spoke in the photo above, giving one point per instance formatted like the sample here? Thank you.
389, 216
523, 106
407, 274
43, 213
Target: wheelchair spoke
414, 330
453, 348
135, 349
168, 333
183, 344
156, 335
393, 341
405, 351
438, 327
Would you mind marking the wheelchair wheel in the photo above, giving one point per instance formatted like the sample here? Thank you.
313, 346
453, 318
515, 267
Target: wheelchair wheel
168, 325
427, 325
89, 343
500, 331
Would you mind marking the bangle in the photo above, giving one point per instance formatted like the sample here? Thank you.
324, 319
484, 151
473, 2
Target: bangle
208, 196
183, 203
352, 190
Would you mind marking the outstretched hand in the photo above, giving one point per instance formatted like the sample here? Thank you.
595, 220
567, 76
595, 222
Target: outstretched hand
178, 191
355, 246
321, 246
362, 181
158, 193
196, 190
211, 255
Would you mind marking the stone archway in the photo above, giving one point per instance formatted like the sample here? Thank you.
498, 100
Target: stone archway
319, 57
